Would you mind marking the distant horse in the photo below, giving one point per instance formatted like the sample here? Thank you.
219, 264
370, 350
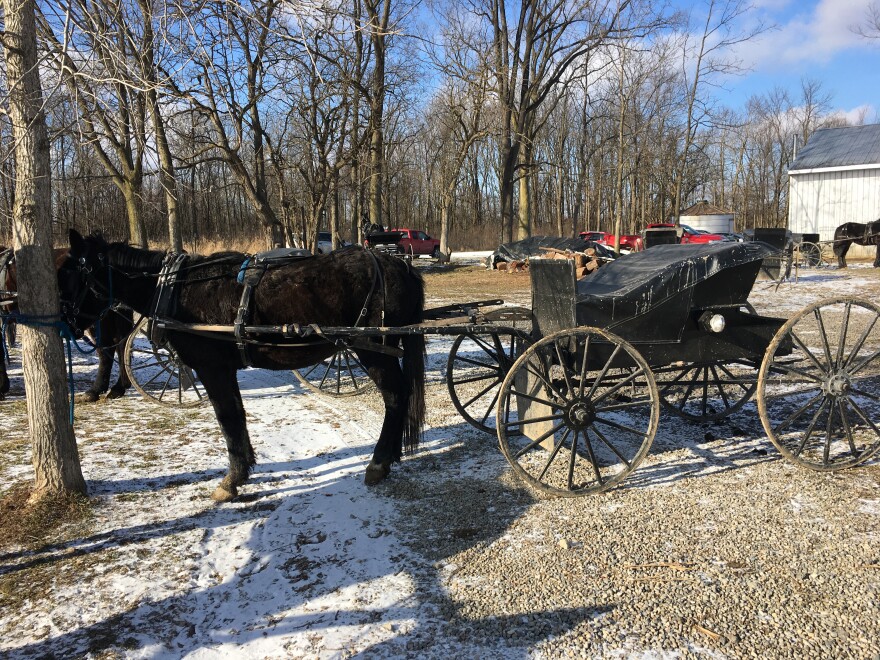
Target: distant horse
109, 336
347, 288
858, 233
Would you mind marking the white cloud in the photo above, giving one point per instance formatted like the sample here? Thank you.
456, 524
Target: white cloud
862, 114
814, 36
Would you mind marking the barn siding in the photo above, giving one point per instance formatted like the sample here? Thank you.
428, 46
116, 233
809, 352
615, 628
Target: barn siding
822, 201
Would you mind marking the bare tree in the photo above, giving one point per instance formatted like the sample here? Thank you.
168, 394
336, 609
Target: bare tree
529, 53
232, 49
704, 59
91, 51
869, 28
55, 456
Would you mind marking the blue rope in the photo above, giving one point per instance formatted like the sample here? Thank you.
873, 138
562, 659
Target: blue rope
52, 321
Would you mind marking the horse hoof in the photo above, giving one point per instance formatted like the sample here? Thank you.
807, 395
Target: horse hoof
220, 494
90, 397
114, 394
376, 472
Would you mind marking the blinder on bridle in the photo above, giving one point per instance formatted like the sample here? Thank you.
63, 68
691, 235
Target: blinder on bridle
72, 312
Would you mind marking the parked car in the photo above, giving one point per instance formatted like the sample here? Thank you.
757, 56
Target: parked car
417, 243
628, 242
325, 243
689, 234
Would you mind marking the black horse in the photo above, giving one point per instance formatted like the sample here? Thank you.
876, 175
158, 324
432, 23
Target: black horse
858, 233
347, 288
108, 335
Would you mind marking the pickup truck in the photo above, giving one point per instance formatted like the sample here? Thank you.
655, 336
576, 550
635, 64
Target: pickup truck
688, 234
417, 243
628, 242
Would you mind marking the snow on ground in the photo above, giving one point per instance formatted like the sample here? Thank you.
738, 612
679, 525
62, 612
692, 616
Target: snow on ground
308, 562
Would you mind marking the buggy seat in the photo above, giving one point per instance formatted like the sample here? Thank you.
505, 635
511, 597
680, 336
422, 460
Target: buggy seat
650, 295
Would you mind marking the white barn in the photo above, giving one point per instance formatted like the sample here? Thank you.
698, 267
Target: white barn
835, 179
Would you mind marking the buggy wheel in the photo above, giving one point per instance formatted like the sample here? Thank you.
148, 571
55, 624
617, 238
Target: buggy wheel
809, 255
341, 374
158, 374
476, 367
577, 412
819, 385
706, 391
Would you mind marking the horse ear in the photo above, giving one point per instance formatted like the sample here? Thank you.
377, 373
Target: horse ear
77, 242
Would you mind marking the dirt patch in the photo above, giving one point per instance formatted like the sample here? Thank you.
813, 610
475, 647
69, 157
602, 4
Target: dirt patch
464, 283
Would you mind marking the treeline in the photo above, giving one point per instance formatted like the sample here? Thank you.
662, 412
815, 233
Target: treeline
188, 124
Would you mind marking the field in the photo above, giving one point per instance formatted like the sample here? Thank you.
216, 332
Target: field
714, 547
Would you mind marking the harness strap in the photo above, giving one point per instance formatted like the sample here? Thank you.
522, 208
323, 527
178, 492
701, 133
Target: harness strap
378, 279
165, 297
250, 275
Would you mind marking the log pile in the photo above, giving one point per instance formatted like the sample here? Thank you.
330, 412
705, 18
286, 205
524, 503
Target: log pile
585, 262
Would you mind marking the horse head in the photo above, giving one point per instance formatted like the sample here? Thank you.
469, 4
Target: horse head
84, 282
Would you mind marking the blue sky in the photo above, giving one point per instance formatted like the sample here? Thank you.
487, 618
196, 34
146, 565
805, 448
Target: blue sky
812, 38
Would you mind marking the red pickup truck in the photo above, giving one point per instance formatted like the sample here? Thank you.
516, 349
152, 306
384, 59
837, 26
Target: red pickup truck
628, 242
417, 243
689, 235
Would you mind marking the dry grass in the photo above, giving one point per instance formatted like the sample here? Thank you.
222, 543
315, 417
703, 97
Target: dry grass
48, 520
460, 283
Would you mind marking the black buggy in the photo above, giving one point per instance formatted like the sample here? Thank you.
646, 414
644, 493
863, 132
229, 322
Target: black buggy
671, 328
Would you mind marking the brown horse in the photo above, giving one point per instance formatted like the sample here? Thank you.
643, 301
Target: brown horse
858, 233
348, 288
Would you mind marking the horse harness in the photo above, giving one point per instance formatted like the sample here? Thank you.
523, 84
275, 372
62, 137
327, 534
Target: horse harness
249, 276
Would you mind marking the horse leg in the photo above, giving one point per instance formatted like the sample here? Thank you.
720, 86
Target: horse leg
121, 327
386, 374
221, 385
122, 382
102, 380
840, 250
877, 256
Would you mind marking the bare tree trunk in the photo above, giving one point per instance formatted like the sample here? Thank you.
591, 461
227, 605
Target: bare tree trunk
166, 174
55, 456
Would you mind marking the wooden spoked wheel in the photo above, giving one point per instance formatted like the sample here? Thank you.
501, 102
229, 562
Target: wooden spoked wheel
819, 385
475, 369
811, 255
707, 391
158, 374
577, 412
341, 374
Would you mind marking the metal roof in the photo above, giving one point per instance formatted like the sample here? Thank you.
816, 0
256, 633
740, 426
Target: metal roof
846, 146
705, 208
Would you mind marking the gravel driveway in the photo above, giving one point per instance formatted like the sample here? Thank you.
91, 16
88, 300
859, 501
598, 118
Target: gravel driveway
713, 547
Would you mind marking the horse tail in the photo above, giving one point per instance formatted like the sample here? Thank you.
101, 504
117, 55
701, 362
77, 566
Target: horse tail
414, 373
414, 356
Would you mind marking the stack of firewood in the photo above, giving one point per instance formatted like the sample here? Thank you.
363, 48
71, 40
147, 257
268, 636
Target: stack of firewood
585, 262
